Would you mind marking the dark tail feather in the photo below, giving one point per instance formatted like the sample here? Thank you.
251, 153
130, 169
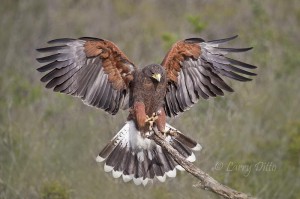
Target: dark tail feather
186, 141
140, 159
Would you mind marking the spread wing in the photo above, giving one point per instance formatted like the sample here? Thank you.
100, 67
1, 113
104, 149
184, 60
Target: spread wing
193, 69
95, 70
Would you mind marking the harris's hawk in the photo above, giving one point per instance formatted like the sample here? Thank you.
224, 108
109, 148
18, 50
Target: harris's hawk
99, 73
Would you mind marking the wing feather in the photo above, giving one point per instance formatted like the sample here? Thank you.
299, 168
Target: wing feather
93, 69
193, 69
219, 41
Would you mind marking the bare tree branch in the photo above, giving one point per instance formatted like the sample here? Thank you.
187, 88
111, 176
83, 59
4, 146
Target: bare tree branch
206, 182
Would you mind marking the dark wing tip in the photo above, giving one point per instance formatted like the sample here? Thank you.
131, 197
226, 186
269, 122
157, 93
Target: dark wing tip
51, 49
249, 73
61, 40
247, 49
194, 40
239, 63
41, 60
243, 71
218, 41
40, 69
231, 90
233, 50
90, 39
199, 40
41, 50
44, 79
241, 78
49, 58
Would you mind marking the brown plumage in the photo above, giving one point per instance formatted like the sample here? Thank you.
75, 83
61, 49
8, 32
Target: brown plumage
99, 73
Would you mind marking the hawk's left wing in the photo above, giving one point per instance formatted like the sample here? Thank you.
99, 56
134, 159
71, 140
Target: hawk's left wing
193, 70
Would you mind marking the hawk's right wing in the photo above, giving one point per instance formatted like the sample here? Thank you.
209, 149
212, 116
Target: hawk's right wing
95, 70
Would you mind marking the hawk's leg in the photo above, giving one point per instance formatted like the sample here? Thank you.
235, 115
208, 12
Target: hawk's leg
161, 122
139, 115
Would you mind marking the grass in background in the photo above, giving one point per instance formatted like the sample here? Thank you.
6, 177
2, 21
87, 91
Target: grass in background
48, 141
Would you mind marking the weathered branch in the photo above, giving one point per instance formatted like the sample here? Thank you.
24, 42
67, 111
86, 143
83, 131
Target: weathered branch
206, 182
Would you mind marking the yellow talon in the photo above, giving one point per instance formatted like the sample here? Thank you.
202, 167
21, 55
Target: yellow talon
151, 120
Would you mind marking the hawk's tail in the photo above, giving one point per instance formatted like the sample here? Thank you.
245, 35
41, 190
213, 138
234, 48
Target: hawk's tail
140, 159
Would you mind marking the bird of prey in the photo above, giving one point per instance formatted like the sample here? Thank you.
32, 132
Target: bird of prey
99, 73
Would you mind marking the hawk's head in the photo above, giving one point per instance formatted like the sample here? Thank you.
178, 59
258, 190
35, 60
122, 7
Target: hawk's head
155, 71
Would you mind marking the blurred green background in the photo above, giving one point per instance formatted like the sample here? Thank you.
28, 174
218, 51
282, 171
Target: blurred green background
49, 141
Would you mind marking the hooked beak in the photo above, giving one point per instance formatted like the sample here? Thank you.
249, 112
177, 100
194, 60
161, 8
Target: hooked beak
157, 76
